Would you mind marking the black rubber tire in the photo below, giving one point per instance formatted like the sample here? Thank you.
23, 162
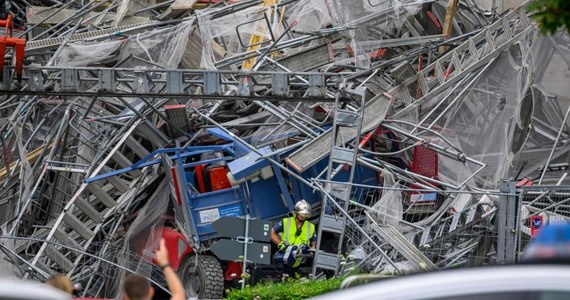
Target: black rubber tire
208, 280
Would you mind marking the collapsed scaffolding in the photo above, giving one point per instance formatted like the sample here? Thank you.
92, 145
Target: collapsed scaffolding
438, 112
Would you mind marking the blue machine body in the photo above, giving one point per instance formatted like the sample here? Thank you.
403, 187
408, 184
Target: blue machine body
243, 166
271, 198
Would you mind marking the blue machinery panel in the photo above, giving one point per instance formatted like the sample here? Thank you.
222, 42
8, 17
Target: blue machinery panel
266, 199
208, 207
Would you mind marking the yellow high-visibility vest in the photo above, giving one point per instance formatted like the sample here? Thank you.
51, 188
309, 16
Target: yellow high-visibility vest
290, 229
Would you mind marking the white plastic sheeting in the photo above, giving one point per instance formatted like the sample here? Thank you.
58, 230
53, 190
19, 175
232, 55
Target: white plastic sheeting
161, 47
156, 48
484, 119
312, 15
143, 238
389, 209
86, 54
221, 36
363, 19
550, 61
128, 7
227, 31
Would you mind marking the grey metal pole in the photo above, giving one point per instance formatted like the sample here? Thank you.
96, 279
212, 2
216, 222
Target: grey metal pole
506, 228
463, 91
246, 241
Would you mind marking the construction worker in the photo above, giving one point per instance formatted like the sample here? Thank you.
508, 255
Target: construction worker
295, 231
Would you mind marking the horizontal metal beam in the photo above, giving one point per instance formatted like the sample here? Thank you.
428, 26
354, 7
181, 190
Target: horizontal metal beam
173, 96
116, 82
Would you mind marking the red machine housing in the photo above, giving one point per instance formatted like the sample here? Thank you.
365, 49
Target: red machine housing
219, 178
177, 245
18, 44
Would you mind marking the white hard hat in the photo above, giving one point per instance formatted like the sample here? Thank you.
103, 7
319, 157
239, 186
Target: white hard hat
303, 209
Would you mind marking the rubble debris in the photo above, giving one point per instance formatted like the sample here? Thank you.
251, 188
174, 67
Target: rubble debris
399, 121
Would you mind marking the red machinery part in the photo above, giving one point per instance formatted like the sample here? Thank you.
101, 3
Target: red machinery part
373, 55
233, 271
18, 44
425, 162
177, 245
219, 178
525, 182
200, 178
433, 19
8, 23
176, 187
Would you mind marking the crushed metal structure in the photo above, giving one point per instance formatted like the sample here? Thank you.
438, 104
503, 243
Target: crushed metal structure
415, 128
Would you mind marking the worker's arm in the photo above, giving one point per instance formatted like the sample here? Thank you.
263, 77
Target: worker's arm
174, 284
314, 240
275, 238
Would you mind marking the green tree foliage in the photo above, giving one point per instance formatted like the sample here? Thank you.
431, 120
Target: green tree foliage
551, 14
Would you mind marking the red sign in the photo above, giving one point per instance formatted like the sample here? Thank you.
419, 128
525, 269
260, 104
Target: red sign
536, 224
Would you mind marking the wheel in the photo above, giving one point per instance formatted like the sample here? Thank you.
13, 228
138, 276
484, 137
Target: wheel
205, 280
